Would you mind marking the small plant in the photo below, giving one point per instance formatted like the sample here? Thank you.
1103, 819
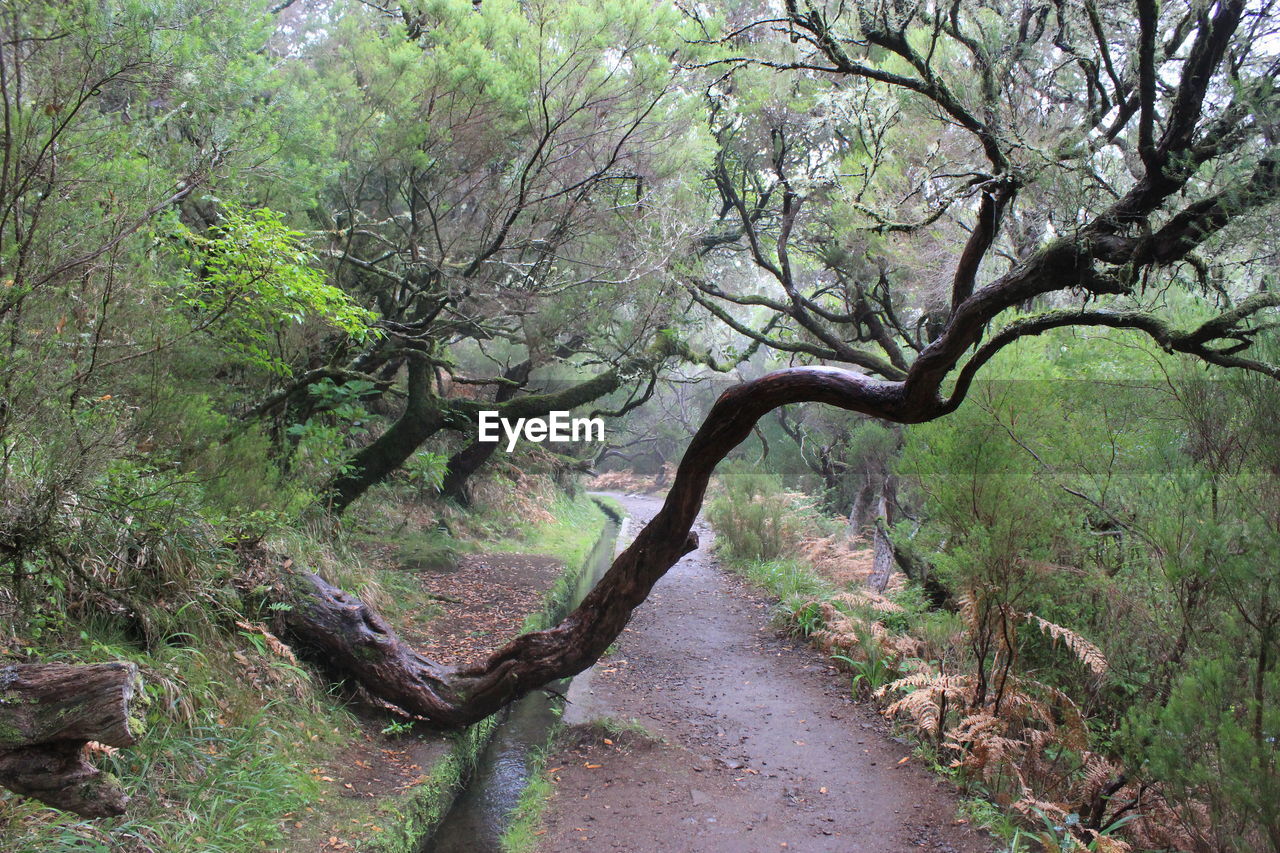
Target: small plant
430, 550
871, 674
395, 728
809, 618
754, 518
425, 472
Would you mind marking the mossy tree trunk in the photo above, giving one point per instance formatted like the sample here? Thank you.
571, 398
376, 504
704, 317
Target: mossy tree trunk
49, 713
470, 459
424, 415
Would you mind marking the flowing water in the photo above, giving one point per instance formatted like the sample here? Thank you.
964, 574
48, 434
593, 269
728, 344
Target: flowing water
478, 817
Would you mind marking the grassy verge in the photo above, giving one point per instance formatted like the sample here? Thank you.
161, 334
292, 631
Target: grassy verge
237, 733
222, 765
569, 534
525, 820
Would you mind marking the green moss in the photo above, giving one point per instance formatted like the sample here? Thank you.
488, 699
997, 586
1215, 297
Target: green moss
525, 820
10, 734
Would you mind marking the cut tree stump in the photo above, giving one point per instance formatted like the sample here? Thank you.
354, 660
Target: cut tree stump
49, 713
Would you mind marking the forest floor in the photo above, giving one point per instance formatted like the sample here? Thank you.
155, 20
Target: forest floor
382, 791
490, 595
752, 743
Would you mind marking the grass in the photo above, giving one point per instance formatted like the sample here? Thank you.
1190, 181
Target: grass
986, 815
611, 505
569, 536
213, 785
432, 549
633, 728
524, 824
235, 735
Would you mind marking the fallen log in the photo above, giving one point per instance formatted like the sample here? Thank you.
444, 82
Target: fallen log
49, 714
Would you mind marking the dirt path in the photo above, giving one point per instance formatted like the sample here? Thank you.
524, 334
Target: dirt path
761, 748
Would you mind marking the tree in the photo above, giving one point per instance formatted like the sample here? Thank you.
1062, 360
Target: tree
490, 188
1127, 153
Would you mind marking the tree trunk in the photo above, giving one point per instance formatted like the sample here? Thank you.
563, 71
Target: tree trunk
48, 713
423, 417
882, 548
462, 466
358, 641
470, 459
861, 507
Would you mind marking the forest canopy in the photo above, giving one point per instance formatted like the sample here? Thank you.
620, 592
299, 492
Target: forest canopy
264, 264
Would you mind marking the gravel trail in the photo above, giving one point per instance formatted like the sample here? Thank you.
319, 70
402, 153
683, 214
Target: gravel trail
761, 747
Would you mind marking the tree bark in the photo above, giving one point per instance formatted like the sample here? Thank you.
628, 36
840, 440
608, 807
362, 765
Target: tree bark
358, 641
882, 549
48, 713
882, 555
426, 414
466, 462
423, 417
861, 507
462, 466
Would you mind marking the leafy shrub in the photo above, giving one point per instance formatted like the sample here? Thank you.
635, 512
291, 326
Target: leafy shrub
754, 518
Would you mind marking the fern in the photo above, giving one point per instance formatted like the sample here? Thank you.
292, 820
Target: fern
1085, 651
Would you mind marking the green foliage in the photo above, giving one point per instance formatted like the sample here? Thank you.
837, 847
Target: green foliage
754, 519
1138, 512
425, 472
431, 550
398, 727
249, 274
569, 534
871, 672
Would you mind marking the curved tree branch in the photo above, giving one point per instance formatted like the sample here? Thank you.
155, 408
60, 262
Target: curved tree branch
1194, 342
358, 640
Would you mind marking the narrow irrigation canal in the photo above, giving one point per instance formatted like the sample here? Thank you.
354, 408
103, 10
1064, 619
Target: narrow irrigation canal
478, 817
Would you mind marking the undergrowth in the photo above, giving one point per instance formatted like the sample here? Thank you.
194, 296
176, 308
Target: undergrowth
236, 729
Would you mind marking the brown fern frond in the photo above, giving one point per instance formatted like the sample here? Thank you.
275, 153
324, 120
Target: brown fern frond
271, 641
1075, 733
1110, 844
869, 599
922, 707
1018, 704
953, 684
1030, 805
905, 646
1097, 773
1085, 651
973, 727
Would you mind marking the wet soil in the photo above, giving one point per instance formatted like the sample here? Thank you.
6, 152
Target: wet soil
756, 744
